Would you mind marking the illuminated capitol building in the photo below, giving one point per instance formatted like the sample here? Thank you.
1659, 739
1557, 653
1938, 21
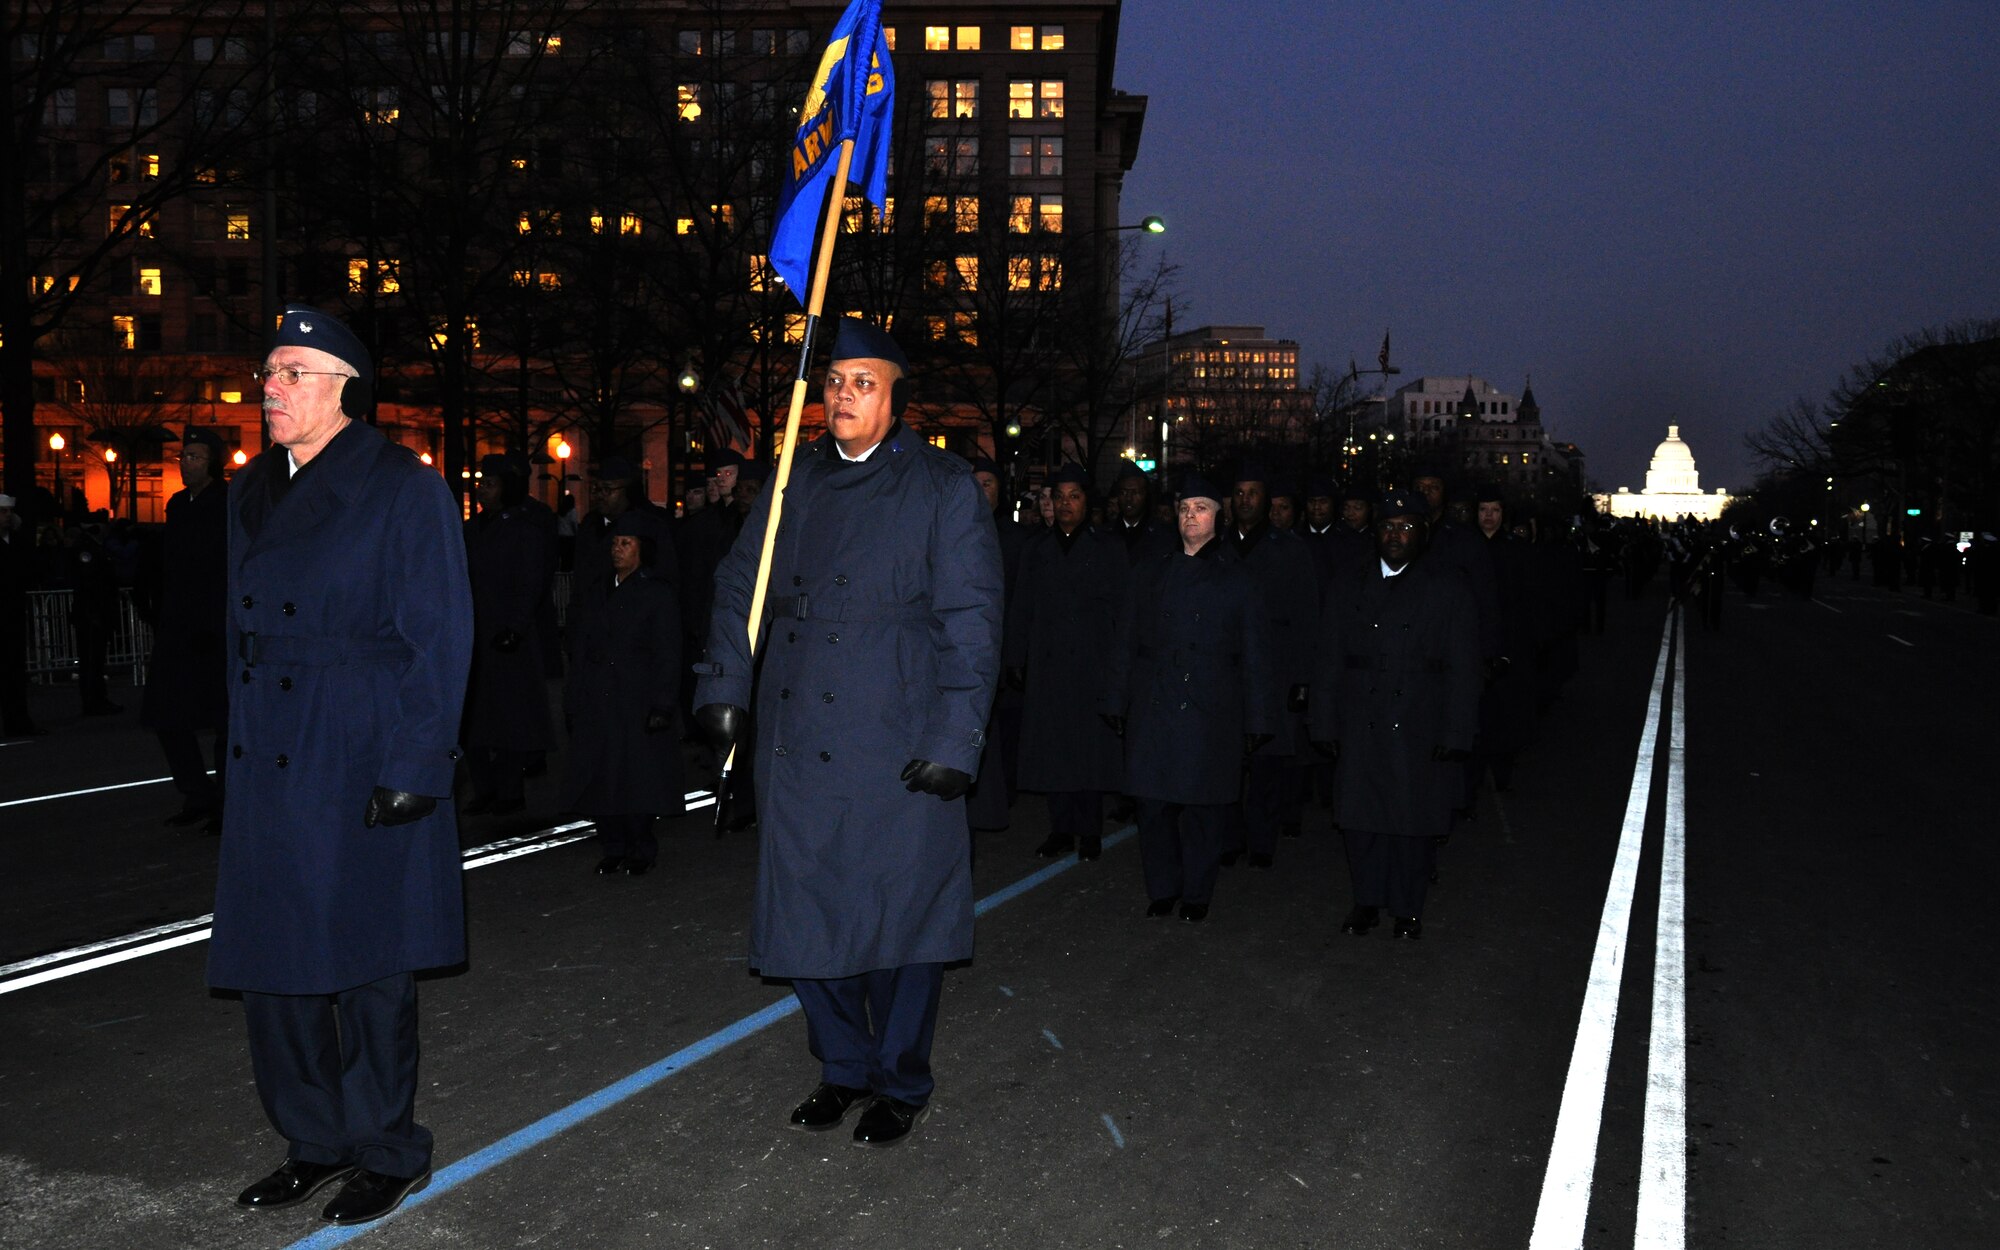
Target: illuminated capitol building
1673, 488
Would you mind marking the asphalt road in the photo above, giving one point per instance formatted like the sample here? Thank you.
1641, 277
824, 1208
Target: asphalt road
1257, 1081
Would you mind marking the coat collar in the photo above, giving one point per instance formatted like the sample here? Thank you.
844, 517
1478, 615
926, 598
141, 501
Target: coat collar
334, 477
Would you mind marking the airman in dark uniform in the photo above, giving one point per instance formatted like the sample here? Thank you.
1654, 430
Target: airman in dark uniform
1061, 626
510, 552
1189, 688
187, 694
871, 693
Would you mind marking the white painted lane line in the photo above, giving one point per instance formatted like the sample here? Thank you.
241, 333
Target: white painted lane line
75, 794
102, 954
1662, 1217
1829, 607
1564, 1210
1906, 642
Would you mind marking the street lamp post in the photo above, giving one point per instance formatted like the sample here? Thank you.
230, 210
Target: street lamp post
56, 445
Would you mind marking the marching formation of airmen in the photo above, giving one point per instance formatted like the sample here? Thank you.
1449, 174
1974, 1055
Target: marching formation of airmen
1209, 666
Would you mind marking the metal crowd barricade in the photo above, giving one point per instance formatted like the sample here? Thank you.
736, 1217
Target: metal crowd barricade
52, 650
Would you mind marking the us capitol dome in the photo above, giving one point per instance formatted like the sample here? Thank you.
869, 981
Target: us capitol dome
1673, 487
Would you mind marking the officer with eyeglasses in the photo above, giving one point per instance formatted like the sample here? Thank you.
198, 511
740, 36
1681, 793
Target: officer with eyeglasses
350, 624
1396, 705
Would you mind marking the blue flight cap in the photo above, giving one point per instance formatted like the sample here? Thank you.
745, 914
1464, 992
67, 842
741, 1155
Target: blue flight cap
1401, 503
1253, 471
1071, 472
984, 464
1195, 486
723, 458
753, 471
1281, 484
305, 326
857, 340
503, 464
1320, 486
617, 469
207, 438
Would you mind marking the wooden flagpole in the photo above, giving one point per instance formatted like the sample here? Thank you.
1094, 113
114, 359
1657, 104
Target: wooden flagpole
815, 300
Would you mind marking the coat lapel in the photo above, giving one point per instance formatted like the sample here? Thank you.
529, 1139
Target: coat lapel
317, 492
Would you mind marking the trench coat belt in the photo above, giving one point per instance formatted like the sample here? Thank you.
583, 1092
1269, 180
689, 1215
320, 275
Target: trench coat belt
1190, 653
315, 650
802, 608
1373, 664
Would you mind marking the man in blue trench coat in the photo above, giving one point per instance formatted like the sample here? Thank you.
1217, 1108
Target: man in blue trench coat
351, 623
881, 648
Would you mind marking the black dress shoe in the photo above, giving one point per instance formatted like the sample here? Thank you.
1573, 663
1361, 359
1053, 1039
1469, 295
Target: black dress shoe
1056, 844
1089, 848
1194, 913
888, 1121
609, 864
1360, 921
635, 867
295, 1181
477, 805
1160, 907
1409, 927
1259, 860
372, 1195
1229, 858
826, 1107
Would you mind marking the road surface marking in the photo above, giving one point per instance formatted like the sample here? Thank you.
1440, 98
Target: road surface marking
94, 955
1563, 1212
532, 1135
1662, 1215
1118, 1138
1906, 642
75, 794
1829, 607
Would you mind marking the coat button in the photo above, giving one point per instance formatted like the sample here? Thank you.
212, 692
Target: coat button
284, 683
236, 752
826, 757
840, 579
248, 602
784, 694
284, 760
833, 637
826, 697
246, 676
780, 752
797, 580
791, 637
290, 609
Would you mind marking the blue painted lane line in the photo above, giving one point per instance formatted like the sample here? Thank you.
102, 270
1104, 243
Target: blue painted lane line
523, 1139
1117, 1138
1052, 1039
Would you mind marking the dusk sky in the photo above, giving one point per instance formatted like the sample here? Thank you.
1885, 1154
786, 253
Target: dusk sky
1663, 212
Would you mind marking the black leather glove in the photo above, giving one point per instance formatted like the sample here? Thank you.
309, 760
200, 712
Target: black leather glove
1295, 698
656, 720
1330, 750
723, 724
396, 807
1016, 678
1252, 741
506, 641
1450, 755
924, 777
1114, 722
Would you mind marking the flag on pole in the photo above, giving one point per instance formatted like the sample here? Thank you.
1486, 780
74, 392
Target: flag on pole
728, 420
851, 97
1383, 359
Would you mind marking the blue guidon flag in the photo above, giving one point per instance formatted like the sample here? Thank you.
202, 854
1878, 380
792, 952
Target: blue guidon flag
852, 92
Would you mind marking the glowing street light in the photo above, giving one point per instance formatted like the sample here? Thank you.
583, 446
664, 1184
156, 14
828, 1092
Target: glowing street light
56, 442
241, 458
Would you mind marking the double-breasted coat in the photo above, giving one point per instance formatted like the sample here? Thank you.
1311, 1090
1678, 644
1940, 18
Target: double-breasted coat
186, 679
625, 666
352, 631
881, 645
1288, 588
1062, 624
1191, 675
1507, 702
511, 558
1399, 677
